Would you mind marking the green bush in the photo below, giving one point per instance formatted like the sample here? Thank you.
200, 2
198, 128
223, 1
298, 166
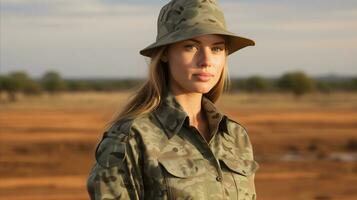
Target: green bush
296, 82
52, 82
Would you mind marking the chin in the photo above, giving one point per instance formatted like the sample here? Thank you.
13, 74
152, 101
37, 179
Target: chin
202, 89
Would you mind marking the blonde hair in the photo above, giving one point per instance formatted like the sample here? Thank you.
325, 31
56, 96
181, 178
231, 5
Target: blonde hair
149, 95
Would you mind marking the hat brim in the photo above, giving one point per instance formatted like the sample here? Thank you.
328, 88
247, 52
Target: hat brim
234, 42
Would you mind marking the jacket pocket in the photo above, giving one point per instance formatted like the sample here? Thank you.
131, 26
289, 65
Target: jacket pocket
183, 177
242, 167
183, 167
242, 174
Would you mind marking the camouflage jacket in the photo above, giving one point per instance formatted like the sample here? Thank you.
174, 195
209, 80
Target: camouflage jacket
160, 156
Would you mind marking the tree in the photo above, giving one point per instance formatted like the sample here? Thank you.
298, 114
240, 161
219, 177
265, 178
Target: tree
297, 82
354, 84
2, 81
13, 83
78, 85
256, 84
2, 78
52, 82
17, 82
323, 87
19, 79
32, 88
10, 86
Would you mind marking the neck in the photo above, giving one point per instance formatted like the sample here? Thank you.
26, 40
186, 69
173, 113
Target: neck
191, 104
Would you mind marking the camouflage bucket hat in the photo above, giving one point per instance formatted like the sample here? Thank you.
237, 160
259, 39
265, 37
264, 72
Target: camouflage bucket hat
183, 19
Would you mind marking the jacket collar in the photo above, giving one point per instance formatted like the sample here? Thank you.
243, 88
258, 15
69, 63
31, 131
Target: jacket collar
172, 117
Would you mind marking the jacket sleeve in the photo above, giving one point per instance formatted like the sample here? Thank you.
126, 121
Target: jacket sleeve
245, 152
246, 147
116, 173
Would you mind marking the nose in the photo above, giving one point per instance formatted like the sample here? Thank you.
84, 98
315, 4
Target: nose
205, 58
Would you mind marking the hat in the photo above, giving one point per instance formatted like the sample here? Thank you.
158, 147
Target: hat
184, 19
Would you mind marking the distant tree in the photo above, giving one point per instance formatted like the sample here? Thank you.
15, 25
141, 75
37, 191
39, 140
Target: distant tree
256, 84
78, 85
297, 82
32, 88
20, 79
237, 84
14, 83
52, 82
2, 88
354, 84
2, 78
323, 87
10, 86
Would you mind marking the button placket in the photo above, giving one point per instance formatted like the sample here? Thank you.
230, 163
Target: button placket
211, 155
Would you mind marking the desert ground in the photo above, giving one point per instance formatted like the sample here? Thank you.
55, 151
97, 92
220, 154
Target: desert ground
306, 147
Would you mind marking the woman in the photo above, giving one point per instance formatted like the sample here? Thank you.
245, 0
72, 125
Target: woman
170, 141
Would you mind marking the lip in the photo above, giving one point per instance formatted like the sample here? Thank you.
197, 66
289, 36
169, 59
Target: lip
203, 76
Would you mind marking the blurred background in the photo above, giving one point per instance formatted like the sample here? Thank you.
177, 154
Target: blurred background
67, 67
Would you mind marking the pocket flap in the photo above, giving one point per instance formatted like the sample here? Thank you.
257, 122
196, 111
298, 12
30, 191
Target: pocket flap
240, 166
183, 167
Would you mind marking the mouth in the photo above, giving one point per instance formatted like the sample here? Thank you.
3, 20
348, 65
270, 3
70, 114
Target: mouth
203, 76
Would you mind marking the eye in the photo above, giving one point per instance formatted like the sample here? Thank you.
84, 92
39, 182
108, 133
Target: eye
217, 49
190, 47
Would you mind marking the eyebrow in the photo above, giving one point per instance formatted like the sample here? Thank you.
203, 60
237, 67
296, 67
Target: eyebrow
216, 43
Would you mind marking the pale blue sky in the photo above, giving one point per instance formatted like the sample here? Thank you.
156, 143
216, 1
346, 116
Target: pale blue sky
102, 38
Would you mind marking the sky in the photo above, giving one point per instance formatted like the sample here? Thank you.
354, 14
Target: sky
102, 38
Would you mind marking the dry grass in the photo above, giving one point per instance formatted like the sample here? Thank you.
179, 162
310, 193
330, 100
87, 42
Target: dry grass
305, 146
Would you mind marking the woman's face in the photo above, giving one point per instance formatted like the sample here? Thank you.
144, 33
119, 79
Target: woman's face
196, 64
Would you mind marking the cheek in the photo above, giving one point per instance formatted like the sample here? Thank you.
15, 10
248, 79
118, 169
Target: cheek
178, 72
216, 78
180, 67
220, 65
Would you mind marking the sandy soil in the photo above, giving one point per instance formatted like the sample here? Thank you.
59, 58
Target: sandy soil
307, 148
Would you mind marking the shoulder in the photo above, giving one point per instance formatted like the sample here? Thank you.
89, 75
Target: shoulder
111, 150
241, 138
235, 127
146, 125
120, 128
126, 127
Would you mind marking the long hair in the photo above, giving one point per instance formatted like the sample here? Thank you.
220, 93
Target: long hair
149, 95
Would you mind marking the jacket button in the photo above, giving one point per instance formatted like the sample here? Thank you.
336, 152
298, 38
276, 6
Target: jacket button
219, 179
